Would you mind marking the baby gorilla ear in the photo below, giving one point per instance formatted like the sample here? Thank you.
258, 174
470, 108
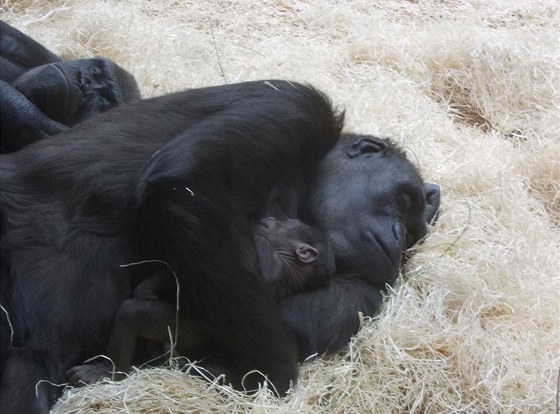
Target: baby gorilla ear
306, 253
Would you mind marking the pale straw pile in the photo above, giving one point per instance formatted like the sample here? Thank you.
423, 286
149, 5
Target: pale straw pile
472, 89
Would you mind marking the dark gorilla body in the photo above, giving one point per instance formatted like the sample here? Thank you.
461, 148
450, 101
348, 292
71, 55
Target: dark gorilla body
179, 179
42, 95
293, 257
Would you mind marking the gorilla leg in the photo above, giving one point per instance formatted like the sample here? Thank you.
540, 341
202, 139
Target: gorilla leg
23, 368
154, 320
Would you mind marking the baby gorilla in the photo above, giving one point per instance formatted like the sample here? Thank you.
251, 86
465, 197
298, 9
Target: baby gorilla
293, 257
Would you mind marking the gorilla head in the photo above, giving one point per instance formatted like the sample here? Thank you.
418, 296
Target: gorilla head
292, 256
69, 91
373, 203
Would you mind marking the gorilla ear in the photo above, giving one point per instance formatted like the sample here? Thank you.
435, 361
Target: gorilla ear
433, 197
365, 146
306, 253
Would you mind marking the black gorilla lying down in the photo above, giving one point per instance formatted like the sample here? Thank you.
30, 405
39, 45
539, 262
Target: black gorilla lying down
372, 202
41, 95
180, 179
293, 257
177, 178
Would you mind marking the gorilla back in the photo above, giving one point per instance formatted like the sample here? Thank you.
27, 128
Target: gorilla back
176, 178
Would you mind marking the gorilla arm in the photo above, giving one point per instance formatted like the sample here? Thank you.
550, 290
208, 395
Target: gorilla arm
273, 128
197, 195
22, 122
324, 320
41, 94
19, 53
91, 178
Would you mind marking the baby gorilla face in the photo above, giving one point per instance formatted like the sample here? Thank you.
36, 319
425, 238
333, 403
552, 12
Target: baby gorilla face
293, 256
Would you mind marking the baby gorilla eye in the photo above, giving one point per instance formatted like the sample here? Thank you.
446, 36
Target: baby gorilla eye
306, 254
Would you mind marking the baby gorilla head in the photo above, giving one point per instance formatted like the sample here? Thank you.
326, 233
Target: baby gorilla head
293, 256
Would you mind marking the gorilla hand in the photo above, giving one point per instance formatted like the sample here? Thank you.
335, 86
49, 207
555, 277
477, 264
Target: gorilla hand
22, 122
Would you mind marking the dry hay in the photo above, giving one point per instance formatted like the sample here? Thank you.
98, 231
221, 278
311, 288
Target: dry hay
472, 89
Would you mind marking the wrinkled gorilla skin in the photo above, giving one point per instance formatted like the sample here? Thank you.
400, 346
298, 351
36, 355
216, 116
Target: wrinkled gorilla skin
179, 178
381, 207
42, 95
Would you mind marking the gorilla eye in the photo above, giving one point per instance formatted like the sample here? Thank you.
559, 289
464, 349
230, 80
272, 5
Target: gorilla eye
405, 201
96, 72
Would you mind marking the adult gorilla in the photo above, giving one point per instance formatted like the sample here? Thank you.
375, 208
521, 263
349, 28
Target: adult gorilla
374, 205
180, 178
42, 95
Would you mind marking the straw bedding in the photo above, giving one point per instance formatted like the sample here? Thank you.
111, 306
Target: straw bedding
472, 89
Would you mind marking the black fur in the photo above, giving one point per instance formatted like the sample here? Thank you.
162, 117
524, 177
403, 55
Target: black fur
176, 178
293, 257
180, 179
